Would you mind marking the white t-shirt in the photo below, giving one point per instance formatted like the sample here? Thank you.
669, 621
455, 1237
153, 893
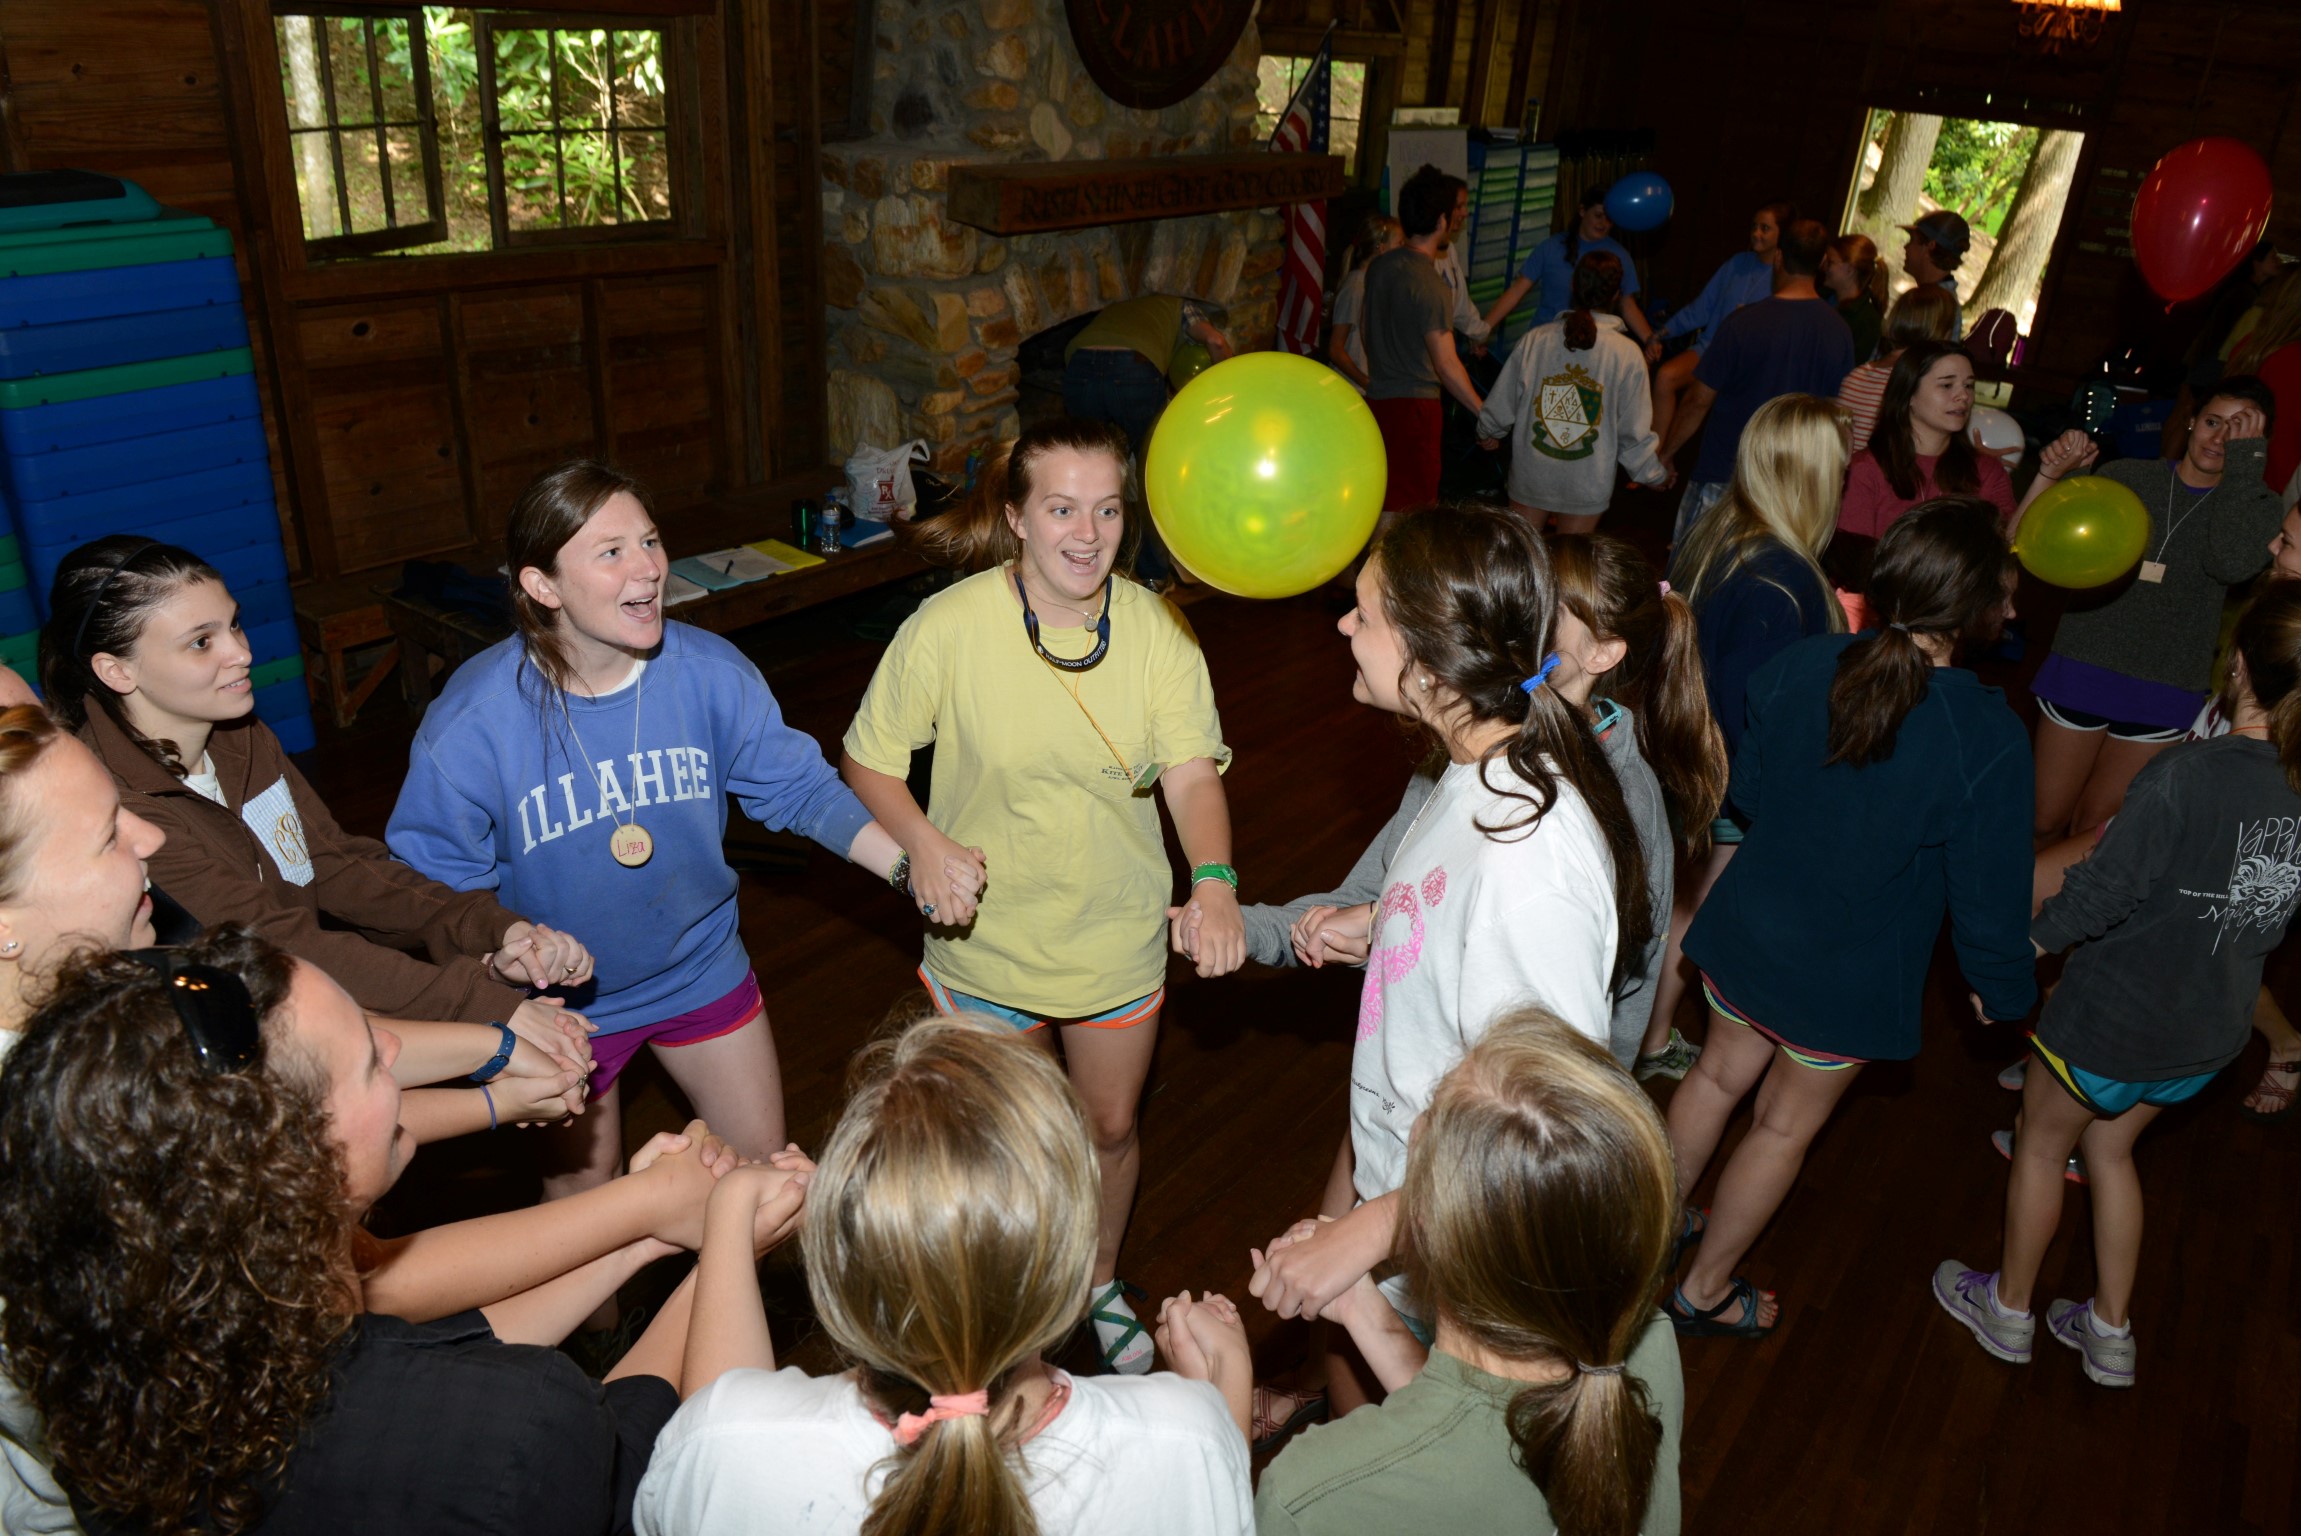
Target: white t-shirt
203, 781
1468, 927
802, 1455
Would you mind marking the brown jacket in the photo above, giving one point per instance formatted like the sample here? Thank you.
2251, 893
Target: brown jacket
276, 860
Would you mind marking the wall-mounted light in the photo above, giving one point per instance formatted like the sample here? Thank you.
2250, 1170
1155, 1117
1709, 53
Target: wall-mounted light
2049, 26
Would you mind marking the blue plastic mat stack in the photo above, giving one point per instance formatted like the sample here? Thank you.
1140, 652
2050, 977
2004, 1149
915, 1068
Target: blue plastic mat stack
128, 405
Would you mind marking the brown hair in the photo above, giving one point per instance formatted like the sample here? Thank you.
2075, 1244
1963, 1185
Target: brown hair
1892, 442
552, 510
1861, 253
103, 596
1604, 582
173, 1242
2269, 639
1470, 589
1924, 313
1537, 1213
26, 732
974, 536
2278, 327
1801, 244
1373, 234
949, 1237
1597, 285
1941, 569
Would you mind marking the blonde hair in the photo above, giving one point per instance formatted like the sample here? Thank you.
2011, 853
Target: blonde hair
950, 1234
1789, 477
26, 733
1924, 313
1537, 1215
2278, 327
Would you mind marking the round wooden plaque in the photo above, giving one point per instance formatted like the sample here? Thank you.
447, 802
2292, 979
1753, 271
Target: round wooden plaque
1153, 53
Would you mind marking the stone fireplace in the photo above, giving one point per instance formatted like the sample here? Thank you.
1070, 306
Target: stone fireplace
926, 314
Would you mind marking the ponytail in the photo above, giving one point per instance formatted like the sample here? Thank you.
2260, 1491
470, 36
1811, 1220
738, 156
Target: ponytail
1597, 285
1942, 570
1608, 585
955, 1478
2268, 640
975, 535
1590, 1443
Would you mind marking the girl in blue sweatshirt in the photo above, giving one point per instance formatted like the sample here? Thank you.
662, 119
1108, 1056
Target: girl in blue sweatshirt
581, 769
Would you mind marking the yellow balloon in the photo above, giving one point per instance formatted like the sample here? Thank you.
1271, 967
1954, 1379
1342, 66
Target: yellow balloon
1266, 474
1189, 361
2084, 532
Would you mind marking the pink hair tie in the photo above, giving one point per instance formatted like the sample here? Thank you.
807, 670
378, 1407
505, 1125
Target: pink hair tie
959, 1405
1665, 589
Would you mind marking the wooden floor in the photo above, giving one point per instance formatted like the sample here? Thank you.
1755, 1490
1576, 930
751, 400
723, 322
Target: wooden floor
1868, 1411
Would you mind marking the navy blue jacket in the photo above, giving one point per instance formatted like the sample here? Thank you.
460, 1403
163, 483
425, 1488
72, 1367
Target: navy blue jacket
1823, 926
1745, 621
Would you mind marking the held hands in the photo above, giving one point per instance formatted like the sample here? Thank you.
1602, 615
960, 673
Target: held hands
1336, 935
1653, 349
947, 882
2073, 453
1209, 928
532, 955
536, 1086
762, 1199
683, 1169
1203, 1340
1307, 1268
553, 1028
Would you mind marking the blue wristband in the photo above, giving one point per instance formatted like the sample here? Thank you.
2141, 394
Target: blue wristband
483, 1093
501, 1058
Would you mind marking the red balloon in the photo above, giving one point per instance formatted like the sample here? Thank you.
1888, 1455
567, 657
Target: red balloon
2200, 212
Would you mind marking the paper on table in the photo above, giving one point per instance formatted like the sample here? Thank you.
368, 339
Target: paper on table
678, 589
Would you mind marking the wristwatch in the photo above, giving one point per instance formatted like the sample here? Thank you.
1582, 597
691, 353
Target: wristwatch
502, 1056
899, 876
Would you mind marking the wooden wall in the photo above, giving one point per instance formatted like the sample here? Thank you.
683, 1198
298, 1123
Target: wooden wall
1768, 99
409, 400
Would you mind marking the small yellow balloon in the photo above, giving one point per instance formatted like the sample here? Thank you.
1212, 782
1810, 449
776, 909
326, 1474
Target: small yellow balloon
1266, 475
1189, 361
2085, 532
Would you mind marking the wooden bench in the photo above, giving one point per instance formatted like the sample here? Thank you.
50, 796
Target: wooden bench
336, 619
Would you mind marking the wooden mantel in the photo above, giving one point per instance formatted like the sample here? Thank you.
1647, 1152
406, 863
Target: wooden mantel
1079, 194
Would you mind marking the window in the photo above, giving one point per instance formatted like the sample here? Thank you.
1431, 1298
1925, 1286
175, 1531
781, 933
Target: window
1274, 88
2009, 181
505, 128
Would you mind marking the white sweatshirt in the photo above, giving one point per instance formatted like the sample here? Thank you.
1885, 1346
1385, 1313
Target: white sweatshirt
1469, 927
1574, 414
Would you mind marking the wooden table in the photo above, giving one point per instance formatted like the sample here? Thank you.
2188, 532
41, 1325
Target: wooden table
427, 632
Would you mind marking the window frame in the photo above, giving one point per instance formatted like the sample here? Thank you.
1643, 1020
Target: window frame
493, 134
1370, 64
395, 237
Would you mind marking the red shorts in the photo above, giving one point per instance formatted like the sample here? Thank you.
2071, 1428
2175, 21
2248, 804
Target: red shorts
1411, 433
612, 1053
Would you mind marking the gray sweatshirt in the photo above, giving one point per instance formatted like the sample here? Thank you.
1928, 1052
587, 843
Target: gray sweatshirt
1571, 416
1269, 928
2166, 631
2174, 914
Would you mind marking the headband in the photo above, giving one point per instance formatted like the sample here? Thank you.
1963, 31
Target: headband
95, 600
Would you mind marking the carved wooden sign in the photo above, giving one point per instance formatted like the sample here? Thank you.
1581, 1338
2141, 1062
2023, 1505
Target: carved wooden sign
1079, 194
1153, 53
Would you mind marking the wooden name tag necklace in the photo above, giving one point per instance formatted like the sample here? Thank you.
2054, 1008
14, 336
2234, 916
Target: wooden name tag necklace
630, 843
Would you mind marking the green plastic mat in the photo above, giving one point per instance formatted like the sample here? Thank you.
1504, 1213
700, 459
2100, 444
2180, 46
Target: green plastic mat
40, 253
88, 383
11, 575
276, 671
20, 651
10, 550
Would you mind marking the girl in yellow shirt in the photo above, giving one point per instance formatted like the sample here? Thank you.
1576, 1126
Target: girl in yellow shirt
1057, 694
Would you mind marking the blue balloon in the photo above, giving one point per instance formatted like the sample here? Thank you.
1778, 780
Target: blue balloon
1639, 201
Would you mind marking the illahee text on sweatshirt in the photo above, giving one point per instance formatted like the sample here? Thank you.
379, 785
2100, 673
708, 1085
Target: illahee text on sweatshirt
1570, 416
498, 796
2173, 915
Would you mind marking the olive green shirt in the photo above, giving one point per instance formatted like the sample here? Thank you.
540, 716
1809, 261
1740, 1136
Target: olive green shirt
1437, 1457
1151, 326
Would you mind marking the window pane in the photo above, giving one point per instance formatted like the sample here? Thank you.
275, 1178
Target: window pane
639, 79
396, 71
363, 179
590, 165
1273, 84
315, 184
523, 79
409, 194
1349, 94
582, 79
300, 72
531, 181
646, 177
348, 56
453, 37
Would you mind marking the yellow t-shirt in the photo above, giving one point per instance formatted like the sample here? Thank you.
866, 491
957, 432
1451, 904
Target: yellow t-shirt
1073, 915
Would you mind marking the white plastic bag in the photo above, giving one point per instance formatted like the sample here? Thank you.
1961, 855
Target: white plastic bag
879, 481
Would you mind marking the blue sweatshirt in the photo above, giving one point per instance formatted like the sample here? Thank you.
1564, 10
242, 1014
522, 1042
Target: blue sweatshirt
1744, 279
499, 798
1770, 602
1823, 926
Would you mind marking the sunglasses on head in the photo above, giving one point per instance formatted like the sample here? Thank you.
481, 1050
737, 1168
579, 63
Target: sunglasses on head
213, 1005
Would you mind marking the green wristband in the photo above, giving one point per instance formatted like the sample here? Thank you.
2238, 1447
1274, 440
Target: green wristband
1223, 872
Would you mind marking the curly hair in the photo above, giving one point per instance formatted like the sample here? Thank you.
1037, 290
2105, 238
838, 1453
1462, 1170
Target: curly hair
173, 1242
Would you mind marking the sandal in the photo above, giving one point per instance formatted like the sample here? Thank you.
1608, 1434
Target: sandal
2276, 1102
1268, 1430
1703, 1322
1109, 1311
1692, 1223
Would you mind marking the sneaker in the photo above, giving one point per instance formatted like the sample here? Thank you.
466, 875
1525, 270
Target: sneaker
1964, 1295
1674, 1060
2014, 1077
2003, 1141
2108, 1362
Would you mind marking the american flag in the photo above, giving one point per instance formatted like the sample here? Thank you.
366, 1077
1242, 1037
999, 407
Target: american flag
1302, 289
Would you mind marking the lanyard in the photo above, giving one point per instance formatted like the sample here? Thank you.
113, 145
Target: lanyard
1084, 663
2173, 483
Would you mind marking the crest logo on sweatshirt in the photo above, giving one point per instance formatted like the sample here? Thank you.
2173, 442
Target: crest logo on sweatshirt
272, 817
1573, 407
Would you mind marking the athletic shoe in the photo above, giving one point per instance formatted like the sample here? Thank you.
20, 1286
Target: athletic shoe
2013, 1077
2108, 1362
1674, 1060
1964, 1295
2003, 1141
